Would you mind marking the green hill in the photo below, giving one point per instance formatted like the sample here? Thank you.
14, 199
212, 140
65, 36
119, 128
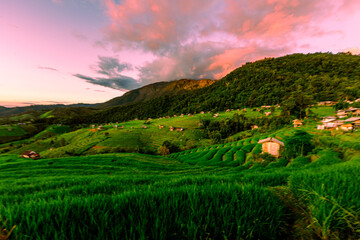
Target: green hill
155, 90
321, 76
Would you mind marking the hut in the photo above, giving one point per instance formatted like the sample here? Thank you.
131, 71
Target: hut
297, 123
347, 127
180, 129
171, 129
272, 146
30, 154
254, 127
357, 124
341, 114
161, 126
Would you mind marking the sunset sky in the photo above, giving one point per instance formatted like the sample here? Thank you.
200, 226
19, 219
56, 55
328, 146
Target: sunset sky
89, 51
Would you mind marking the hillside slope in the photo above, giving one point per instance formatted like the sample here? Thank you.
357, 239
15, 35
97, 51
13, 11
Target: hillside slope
155, 90
322, 76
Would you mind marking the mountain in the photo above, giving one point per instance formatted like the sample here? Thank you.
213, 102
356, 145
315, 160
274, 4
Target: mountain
322, 76
158, 89
7, 112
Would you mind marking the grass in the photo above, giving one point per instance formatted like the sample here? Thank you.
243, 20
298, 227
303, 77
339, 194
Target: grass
134, 196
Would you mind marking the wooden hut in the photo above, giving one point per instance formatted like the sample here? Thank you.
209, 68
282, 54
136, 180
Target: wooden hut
297, 123
30, 154
347, 127
272, 146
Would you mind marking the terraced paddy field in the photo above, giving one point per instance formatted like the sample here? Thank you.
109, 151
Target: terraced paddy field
136, 196
128, 136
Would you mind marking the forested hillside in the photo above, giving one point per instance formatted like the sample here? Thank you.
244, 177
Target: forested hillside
155, 90
318, 76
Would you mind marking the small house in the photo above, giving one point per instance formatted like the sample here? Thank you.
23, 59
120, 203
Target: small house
202, 112
297, 123
30, 154
180, 129
272, 146
351, 110
267, 114
333, 118
320, 127
143, 126
352, 119
171, 129
161, 126
356, 124
341, 114
332, 123
254, 127
347, 127
227, 110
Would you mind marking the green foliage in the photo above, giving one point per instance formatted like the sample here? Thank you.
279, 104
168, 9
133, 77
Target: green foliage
332, 199
299, 161
123, 195
341, 105
300, 144
297, 104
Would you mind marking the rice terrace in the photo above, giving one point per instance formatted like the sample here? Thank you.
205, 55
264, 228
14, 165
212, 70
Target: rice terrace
179, 120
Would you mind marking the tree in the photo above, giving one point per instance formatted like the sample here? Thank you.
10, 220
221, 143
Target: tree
341, 105
300, 144
62, 142
297, 103
164, 150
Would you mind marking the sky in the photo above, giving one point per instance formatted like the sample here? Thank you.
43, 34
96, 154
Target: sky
89, 51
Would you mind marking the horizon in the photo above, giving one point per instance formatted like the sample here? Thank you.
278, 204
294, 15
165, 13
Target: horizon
68, 52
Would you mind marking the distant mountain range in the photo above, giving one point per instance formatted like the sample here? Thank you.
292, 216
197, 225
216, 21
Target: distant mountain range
145, 93
7, 112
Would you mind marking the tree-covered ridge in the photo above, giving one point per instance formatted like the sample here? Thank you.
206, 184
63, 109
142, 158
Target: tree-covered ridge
325, 76
321, 76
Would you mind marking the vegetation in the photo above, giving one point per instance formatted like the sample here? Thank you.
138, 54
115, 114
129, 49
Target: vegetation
121, 171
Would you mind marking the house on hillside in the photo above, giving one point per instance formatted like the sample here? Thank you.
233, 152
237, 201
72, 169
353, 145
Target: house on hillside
143, 126
171, 129
326, 103
341, 114
347, 127
352, 110
267, 114
161, 126
297, 123
331, 123
356, 124
254, 127
352, 119
180, 129
272, 146
30, 154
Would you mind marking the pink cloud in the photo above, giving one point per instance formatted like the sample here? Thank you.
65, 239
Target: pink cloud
209, 38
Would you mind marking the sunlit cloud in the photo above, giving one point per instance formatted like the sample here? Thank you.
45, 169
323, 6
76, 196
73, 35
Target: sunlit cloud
184, 34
